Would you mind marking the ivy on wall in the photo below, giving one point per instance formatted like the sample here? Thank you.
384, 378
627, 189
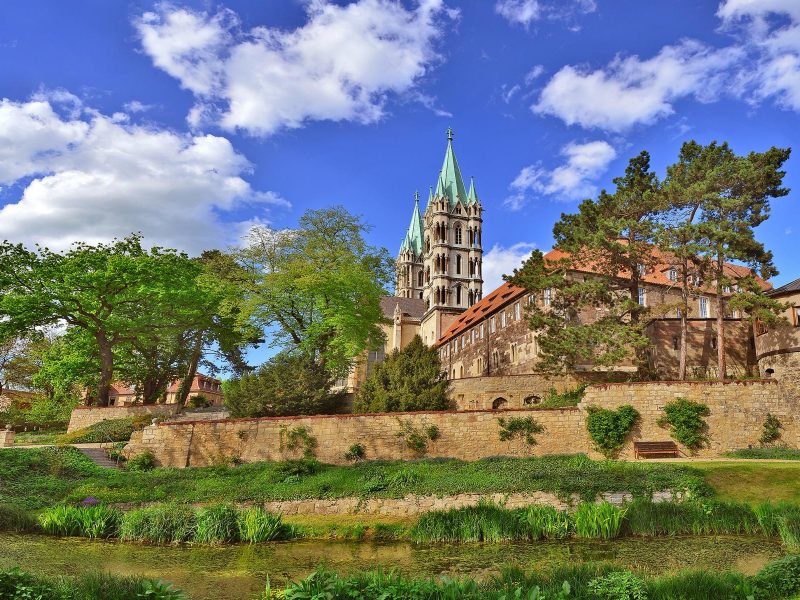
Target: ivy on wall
685, 420
519, 427
610, 428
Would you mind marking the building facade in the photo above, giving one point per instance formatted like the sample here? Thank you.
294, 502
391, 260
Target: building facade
778, 348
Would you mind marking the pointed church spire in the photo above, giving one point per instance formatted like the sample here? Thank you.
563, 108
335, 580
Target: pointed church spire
413, 239
472, 196
450, 183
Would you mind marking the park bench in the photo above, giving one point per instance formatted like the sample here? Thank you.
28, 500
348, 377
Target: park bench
655, 448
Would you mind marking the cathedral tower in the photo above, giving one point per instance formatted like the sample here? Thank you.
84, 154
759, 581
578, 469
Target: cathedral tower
446, 271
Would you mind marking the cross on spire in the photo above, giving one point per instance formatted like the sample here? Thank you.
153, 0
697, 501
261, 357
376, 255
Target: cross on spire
450, 134
416, 196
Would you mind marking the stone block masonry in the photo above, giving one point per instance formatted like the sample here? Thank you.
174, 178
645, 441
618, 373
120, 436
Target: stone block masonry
737, 414
6, 438
84, 416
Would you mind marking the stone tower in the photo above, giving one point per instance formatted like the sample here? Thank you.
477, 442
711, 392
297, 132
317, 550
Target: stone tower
441, 256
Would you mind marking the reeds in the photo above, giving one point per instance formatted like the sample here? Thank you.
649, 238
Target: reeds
13, 518
257, 526
217, 525
86, 521
161, 524
547, 522
481, 523
603, 520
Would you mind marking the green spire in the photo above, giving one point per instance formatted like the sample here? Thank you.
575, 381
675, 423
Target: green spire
450, 182
472, 196
413, 239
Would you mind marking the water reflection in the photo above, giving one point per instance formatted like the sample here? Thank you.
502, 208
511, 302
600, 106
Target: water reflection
239, 572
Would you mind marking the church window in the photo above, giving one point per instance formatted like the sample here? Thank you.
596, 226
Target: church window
458, 264
547, 296
458, 296
513, 352
420, 278
458, 234
495, 358
470, 235
471, 297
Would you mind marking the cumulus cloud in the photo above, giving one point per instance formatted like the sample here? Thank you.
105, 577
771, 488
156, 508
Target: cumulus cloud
630, 90
525, 12
92, 177
572, 180
343, 64
502, 260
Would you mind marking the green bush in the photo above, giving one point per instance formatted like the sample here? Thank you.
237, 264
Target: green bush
199, 401
110, 430
417, 438
603, 520
355, 452
164, 524
217, 525
779, 579
772, 429
299, 467
564, 399
145, 461
685, 419
519, 427
610, 428
257, 526
16, 585
299, 438
622, 585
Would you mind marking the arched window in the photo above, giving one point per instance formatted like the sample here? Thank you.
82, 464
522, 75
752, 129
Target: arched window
472, 268
458, 264
458, 234
470, 235
458, 295
531, 400
420, 278
471, 298
499, 404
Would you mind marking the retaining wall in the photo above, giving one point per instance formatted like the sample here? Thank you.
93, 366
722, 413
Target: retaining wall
84, 416
737, 414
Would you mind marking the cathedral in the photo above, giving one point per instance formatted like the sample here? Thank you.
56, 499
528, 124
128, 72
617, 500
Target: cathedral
440, 258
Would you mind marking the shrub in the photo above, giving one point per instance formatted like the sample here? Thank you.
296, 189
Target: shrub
780, 578
685, 419
164, 524
299, 467
257, 525
772, 429
410, 379
519, 427
566, 398
415, 438
144, 461
297, 438
603, 520
110, 430
199, 401
217, 525
622, 585
17, 585
609, 428
547, 522
355, 452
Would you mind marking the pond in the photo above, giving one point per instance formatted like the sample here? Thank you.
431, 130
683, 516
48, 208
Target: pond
239, 572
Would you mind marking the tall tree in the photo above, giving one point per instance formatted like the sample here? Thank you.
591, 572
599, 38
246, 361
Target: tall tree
317, 288
114, 292
736, 201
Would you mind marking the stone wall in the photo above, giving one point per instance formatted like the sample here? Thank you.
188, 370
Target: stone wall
84, 416
737, 414
737, 410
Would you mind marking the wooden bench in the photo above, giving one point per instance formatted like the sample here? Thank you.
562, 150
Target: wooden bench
655, 448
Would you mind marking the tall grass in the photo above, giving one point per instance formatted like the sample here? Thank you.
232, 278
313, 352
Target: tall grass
217, 525
14, 518
481, 523
603, 520
86, 521
547, 522
257, 526
698, 518
701, 585
163, 524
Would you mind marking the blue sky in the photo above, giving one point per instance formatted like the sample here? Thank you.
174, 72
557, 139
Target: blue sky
191, 121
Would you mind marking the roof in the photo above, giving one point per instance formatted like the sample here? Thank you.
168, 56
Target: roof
450, 183
660, 273
411, 307
789, 288
487, 305
414, 235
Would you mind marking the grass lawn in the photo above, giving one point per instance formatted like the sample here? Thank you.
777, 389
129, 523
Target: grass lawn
753, 482
38, 437
36, 478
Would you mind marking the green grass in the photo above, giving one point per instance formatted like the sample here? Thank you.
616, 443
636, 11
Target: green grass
85, 521
38, 437
17, 585
766, 453
41, 477
110, 430
752, 482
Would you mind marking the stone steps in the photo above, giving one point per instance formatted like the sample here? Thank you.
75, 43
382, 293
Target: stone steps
99, 457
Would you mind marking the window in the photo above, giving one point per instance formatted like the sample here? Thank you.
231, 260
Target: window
458, 264
761, 328
458, 234
421, 279
516, 312
703, 307
640, 269
463, 342
674, 342
672, 275
726, 289
547, 296
482, 324
531, 299
513, 352
458, 296
796, 316
494, 324
503, 319
642, 297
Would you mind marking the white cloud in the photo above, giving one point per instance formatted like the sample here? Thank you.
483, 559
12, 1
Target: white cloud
631, 90
525, 12
502, 260
92, 177
572, 180
342, 65
135, 106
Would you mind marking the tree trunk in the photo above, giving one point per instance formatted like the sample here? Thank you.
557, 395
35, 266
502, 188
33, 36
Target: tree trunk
191, 371
723, 374
106, 370
684, 319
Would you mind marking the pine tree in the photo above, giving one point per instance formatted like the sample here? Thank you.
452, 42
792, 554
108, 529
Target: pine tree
409, 379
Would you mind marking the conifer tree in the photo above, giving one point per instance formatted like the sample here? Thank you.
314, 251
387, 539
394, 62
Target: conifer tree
409, 379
